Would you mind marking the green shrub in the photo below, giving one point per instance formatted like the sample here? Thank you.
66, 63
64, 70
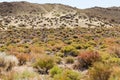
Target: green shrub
69, 60
58, 60
68, 75
105, 56
116, 51
55, 70
77, 46
59, 54
113, 61
92, 43
44, 63
99, 71
86, 46
115, 75
110, 59
68, 41
69, 50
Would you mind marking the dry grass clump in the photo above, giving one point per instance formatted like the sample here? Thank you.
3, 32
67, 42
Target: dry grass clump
25, 75
23, 58
67, 75
8, 61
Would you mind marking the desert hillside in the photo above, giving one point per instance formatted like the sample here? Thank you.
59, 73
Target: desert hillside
112, 14
32, 15
58, 42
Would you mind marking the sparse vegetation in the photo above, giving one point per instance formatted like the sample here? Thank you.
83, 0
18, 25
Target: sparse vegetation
62, 50
39, 46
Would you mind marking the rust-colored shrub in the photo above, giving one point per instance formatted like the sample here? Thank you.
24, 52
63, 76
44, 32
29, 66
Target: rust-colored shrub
86, 59
23, 58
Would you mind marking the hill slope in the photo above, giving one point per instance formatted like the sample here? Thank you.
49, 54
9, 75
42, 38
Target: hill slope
111, 14
32, 15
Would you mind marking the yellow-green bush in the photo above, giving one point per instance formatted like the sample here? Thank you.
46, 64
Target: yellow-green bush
109, 58
116, 51
69, 60
68, 75
114, 61
58, 60
55, 70
99, 71
69, 50
77, 46
60, 54
44, 63
115, 75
